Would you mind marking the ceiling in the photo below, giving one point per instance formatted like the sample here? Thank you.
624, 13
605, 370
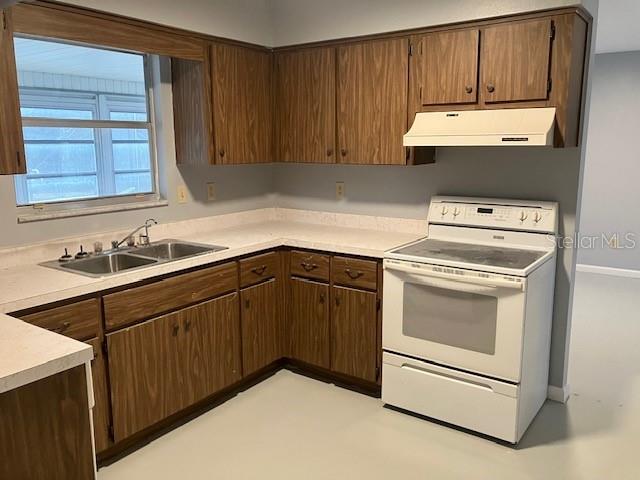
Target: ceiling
60, 58
618, 26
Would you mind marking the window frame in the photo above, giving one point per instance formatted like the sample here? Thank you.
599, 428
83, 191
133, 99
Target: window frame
103, 143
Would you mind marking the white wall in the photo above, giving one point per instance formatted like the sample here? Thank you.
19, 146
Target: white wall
246, 20
611, 195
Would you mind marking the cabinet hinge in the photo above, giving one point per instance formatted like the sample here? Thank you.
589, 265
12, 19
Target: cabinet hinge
411, 48
549, 86
112, 436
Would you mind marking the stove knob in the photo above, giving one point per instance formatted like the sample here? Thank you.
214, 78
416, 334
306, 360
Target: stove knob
444, 210
537, 217
523, 216
456, 212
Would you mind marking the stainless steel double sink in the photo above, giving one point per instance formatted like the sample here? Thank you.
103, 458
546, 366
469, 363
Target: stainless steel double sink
121, 260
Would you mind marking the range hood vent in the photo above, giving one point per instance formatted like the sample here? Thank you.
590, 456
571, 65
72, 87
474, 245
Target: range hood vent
508, 126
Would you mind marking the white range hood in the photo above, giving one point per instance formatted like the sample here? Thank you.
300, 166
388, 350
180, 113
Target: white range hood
507, 126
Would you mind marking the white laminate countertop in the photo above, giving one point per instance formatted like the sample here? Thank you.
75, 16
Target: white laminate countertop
29, 285
29, 353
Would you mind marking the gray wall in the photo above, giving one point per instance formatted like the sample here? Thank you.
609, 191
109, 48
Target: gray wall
611, 195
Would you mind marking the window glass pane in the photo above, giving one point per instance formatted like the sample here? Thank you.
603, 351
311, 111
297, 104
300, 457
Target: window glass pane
128, 116
60, 158
131, 156
61, 188
128, 134
57, 113
132, 183
59, 134
47, 64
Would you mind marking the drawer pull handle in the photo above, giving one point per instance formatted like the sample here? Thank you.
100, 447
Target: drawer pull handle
353, 275
309, 266
337, 301
187, 326
176, 329
259, 270
322, 298
62, 328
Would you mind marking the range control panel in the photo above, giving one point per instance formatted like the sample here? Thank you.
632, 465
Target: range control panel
495, 213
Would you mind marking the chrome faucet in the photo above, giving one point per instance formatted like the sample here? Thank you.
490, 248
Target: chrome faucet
144, 239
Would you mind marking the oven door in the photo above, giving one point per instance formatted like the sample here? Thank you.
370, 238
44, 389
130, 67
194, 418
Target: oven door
454, 317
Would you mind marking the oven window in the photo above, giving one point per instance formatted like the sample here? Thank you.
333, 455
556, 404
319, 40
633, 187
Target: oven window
448, 317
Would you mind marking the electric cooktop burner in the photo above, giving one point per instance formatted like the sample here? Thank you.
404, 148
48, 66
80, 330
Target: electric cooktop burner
483, 255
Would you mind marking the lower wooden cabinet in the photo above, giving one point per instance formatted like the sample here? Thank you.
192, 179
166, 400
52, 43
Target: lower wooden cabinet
309, 322
101, 397
45, 431
261, 332
354, 333
162, 366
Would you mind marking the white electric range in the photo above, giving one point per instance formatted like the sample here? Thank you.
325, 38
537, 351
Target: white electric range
467, 315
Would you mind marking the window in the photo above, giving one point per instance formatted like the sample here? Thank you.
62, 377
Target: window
86, 120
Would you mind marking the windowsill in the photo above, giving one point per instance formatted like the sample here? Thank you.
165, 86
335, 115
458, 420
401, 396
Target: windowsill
80, 212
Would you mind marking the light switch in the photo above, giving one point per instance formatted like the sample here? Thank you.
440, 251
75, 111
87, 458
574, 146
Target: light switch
211, 191
182, 194
339, 190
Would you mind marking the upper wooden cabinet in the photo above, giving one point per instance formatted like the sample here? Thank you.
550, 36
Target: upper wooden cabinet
534, 61
242, 98
12, 159
305, 99
372, 101
515, 61
449, 70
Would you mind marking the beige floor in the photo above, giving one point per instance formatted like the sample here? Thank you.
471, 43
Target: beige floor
292, 427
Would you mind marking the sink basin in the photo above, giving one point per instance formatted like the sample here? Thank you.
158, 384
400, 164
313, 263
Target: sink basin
107, 264
174, 250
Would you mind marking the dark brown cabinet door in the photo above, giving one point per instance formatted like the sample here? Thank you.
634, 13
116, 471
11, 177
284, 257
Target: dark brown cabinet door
372, 101
101, 396
241, 79
309, 322
354, 333
260, 326
449, 63
12, 160
211, 347
515, 61
306, 102
45, 432
144, 364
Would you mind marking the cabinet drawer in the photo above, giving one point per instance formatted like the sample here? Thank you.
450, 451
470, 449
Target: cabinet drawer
138, 303
78, 320
355, 272
310, 265
256, 269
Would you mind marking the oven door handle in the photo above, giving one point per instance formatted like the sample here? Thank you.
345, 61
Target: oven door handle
455, 282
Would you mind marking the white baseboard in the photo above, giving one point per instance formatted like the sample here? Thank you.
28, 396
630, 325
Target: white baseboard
558, 394
618, 272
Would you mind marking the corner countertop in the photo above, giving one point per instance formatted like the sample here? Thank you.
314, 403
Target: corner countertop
30, 285
29, 353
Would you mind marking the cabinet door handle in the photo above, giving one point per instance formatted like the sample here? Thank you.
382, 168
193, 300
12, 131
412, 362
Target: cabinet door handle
343, 152
337, 301
329, 152
353, 275
62, 328
247, 304
322, 298
176, 329
308, 266
187, 326
221, 152
491, 88
259, 270
468, 89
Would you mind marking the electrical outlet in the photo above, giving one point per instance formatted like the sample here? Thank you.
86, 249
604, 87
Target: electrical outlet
339, 190
211, 191
182, 194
